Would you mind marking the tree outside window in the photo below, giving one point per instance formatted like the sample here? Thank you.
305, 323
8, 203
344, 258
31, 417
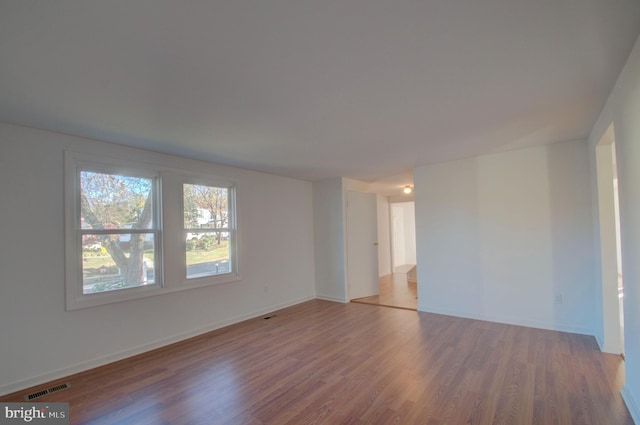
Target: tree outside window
117, 214
207, 230
117, 230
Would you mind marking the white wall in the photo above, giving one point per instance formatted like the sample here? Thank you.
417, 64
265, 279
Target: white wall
500, 236
329, 244
410, 232
384, 236
623, 110
42, 341
403, 233
329, 218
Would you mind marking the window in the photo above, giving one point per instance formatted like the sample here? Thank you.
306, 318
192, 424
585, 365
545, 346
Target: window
117, 231
208, 230
116, 237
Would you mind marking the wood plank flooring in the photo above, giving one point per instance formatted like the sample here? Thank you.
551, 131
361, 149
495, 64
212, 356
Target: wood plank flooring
394, 291
329, 363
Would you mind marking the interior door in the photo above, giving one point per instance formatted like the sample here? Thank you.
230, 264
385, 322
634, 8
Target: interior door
362, 245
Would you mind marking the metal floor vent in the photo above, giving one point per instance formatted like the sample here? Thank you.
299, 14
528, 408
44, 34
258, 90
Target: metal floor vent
47, 391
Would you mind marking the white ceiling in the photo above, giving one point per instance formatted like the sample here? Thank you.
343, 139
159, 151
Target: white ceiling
313, 89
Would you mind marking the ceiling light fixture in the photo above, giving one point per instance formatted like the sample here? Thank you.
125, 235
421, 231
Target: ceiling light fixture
407, 189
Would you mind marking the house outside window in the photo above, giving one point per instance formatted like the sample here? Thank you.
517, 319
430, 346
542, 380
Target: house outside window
122, 217
117, 230
209, 229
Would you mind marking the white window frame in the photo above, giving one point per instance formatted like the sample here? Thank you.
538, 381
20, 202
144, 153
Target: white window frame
75, 163
168, 219
233, 273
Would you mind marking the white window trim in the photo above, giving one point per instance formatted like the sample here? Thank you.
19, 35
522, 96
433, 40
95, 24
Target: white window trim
165, 201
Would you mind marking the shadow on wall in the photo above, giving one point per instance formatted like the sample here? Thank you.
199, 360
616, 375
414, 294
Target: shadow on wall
506, 235
571, 234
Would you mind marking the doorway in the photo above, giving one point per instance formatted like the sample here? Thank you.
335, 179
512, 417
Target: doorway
397, 285
403, 231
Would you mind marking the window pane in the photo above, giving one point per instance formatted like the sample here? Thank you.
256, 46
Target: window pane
207, 254
110, 201
117, 261
205, 207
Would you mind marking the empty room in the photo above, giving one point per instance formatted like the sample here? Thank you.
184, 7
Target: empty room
193, 193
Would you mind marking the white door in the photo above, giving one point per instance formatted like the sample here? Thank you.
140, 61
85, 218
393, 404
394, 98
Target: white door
362, 245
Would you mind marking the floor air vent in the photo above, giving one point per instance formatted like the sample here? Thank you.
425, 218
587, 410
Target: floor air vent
47, 391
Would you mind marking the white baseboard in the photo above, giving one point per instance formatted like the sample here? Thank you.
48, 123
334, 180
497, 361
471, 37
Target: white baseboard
610, 348
101, 361
334, 299
600, 342
631, 403
511, 321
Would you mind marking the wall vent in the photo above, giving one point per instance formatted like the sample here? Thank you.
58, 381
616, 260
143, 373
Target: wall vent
53, 389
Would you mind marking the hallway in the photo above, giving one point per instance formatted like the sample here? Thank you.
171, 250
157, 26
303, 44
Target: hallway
395, 291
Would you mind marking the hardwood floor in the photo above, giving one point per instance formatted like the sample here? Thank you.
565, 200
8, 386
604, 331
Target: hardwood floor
329, 363
394, 291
